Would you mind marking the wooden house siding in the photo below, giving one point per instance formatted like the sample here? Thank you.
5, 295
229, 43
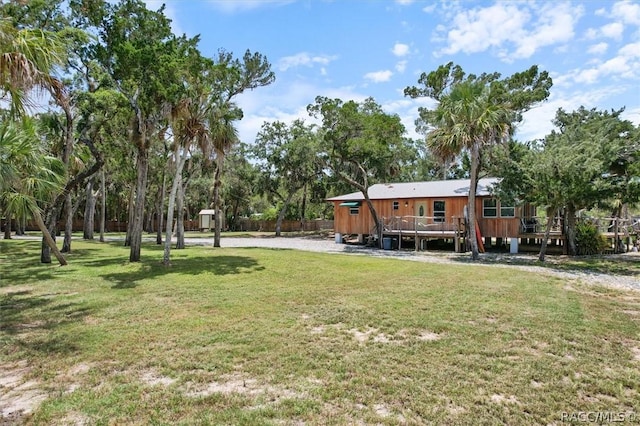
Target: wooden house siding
497, 227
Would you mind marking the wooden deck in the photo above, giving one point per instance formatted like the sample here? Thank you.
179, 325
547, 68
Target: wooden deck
531, 232
422, 228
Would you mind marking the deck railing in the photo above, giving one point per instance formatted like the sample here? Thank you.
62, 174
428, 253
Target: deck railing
421, 224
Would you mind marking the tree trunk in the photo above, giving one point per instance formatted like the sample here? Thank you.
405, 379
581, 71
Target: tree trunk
161, 208
570, 226
180, 215
547, 232
217, 182
142, 167
68, 223
131, 215
283, 210
89, 212
7, 226
166, 259
48, 238
473, 186
103, 205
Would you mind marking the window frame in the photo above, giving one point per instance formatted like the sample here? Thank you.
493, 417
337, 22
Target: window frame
512, 208
493, 207
439, 216
354, 209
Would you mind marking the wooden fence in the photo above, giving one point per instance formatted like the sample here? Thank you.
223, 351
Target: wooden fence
193, 225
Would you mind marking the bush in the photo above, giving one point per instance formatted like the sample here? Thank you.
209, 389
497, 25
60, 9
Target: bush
588, 239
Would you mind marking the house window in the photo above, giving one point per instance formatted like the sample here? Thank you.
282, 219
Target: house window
438, 211
354, 211
507, 211
396, 205
421, 211
489, 207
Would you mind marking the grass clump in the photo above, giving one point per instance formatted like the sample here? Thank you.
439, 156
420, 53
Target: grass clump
258, 336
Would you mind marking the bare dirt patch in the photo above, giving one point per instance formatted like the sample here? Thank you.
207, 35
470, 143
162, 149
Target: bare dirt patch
154, 379
237, 383
18, 396
501, 399
428, 336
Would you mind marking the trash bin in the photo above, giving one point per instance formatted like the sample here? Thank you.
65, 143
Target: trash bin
386, 243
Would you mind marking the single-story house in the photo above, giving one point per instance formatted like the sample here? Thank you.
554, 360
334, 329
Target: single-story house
434, 209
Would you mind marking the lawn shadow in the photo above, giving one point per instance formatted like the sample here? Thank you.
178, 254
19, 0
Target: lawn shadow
150, 269
31, 319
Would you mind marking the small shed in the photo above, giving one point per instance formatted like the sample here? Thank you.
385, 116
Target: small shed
207, 219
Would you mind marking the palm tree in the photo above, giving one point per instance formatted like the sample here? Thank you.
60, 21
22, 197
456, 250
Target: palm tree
467, 119
27, 59
223, 135
189, 127
27, 175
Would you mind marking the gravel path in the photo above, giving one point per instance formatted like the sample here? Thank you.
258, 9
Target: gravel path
519, 261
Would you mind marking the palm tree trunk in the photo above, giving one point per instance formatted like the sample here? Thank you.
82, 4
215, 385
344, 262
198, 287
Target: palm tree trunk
180, 214
161, 208
473, 186
89, 212
68, 223
166, 259
7, 225
47, 237
216, 200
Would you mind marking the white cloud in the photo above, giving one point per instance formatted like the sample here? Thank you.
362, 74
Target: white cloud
625, 65
379, 76
514, 30
430, 8
627, 11
400, 49
598, 49
613, 30
303, 59
404, 2
401, 66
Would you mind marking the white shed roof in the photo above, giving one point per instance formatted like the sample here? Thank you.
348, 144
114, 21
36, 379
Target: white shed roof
439, 188
205, 211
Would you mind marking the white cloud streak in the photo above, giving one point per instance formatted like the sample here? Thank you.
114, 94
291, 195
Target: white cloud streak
304, 59
379, 76
400, 49
512, 30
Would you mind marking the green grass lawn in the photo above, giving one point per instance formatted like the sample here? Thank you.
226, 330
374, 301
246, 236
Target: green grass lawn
257, 336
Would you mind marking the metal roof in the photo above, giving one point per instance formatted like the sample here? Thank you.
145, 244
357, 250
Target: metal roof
431, 189
205, 211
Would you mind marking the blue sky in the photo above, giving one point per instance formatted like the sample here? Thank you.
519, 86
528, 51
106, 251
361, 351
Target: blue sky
353, 49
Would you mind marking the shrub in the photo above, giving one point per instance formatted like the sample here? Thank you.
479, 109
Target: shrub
588, 239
